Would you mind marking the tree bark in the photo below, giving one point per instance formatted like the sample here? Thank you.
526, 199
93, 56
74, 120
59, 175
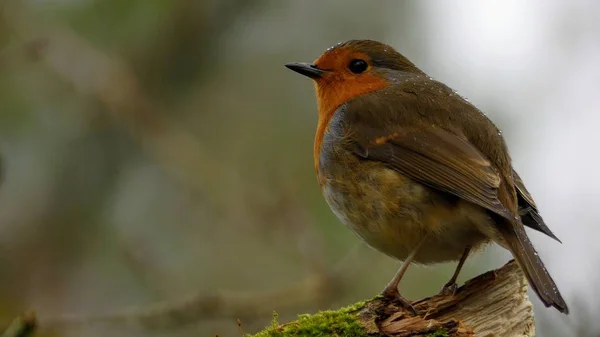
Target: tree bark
491, 304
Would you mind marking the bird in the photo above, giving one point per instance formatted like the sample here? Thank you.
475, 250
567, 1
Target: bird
416, 170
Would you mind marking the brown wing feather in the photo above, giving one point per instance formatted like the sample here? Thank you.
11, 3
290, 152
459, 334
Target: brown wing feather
441, 160
528, 210
405, 133
448, 163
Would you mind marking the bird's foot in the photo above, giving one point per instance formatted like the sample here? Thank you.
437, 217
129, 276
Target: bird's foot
404, 303
449, 289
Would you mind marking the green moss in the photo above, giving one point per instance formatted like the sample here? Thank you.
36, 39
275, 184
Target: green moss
439, 333
342, 322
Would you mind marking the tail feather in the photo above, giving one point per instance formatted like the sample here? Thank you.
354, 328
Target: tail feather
539, 279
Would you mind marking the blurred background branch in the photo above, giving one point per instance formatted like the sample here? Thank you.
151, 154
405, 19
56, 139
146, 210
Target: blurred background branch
109, 81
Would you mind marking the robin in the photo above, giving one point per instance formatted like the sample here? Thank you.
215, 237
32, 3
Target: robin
414, 169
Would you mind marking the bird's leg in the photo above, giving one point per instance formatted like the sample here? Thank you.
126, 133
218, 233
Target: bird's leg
391, 290
450, 287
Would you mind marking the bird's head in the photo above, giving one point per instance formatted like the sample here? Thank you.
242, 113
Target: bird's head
350, 69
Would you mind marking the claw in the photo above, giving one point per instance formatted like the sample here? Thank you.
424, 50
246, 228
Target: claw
449, 289
404, 303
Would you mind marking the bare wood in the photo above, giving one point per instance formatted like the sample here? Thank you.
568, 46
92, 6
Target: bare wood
492, 304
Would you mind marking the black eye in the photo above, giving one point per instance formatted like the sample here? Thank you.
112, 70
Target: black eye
357, 66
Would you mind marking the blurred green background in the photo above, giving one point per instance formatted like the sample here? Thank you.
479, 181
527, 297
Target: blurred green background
158, 152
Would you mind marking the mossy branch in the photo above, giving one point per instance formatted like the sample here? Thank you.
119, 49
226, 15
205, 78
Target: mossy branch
491, 304
22, 326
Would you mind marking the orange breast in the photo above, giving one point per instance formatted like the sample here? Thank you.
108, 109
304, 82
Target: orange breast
334, 91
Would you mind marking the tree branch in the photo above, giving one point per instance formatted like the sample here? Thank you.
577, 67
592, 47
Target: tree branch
22, 326
492, 304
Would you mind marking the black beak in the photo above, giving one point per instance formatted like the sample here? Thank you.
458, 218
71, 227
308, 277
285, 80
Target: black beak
306, 69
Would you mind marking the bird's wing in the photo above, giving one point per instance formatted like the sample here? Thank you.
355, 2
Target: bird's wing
528, 210
441, 160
